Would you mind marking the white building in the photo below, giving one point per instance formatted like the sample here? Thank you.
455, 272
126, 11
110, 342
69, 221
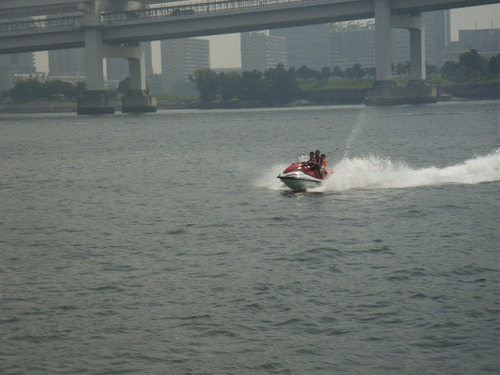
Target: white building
262, 51
182, 57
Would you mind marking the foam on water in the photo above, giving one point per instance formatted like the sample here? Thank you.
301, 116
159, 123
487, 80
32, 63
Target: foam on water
375, 172
269, 179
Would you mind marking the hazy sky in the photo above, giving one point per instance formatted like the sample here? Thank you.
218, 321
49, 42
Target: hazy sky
225, 49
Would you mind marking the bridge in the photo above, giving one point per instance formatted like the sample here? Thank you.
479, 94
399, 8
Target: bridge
116, 28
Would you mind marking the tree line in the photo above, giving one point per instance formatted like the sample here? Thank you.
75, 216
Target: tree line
32, 89
280, 85
471, 66
275, 85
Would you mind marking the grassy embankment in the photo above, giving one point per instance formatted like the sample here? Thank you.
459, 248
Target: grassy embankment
354, 91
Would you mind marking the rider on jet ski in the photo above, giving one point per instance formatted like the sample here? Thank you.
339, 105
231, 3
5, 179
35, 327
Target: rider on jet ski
315, 163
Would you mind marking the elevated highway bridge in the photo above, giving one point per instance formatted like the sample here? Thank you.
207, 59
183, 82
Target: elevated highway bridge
116, 28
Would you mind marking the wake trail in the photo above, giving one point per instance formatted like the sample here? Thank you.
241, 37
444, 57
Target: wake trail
382, 173
374, 172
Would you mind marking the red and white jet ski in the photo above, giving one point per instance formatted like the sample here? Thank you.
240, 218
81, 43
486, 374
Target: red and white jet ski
299, 176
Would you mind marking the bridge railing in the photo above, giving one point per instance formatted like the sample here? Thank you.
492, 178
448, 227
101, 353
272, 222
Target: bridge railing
70, 22
172, 10
195, 7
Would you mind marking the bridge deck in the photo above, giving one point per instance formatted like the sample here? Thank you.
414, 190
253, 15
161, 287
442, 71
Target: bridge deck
189, 19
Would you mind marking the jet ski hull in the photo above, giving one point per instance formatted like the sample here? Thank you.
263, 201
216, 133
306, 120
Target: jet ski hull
299, 177
299, 181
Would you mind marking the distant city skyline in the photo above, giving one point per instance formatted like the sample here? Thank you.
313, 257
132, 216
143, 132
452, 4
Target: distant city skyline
225, 49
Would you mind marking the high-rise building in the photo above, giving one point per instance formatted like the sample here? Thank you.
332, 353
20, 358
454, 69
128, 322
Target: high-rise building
352, 43
19, 63
182, 57
437, 38
67, 62
261, 51
306, 45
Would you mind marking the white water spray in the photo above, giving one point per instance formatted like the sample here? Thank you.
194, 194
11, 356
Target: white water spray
354, 132
373, 172
382, 173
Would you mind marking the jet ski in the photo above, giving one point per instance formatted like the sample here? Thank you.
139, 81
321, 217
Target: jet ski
299, 176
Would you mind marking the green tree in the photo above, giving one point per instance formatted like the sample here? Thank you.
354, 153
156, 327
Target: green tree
282, 84
253, 86
451, 71
358, 71
53, 89
303, 72
494, 66
124, 86
307, 74
230, 84
472, 64
371, 72
26, 91
32, 89
349, 73
431, 69
403, 69
207, 83
337, 72
325, 73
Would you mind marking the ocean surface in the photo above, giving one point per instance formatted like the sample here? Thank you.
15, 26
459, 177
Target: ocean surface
165, 244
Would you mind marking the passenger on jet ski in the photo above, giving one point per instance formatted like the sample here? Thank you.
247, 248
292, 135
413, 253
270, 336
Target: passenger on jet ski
312, 159
315, 163
324, 163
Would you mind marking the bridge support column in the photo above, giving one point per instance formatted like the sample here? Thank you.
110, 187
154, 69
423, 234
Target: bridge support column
137, 99
417, 54
383, 84
384, 90
383, 50
96, 99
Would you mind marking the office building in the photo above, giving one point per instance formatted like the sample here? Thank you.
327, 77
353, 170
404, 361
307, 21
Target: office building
486, 42
10, 65
182, 57
261, 51
306, 45
67, 62
352, 43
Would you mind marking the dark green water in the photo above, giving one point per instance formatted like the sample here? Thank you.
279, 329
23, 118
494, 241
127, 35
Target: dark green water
164, 244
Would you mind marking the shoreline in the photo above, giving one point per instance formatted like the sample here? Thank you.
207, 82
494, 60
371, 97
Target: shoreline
71, 107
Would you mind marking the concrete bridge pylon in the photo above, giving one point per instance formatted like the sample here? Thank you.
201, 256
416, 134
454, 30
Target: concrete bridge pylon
384, 90
96, 99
